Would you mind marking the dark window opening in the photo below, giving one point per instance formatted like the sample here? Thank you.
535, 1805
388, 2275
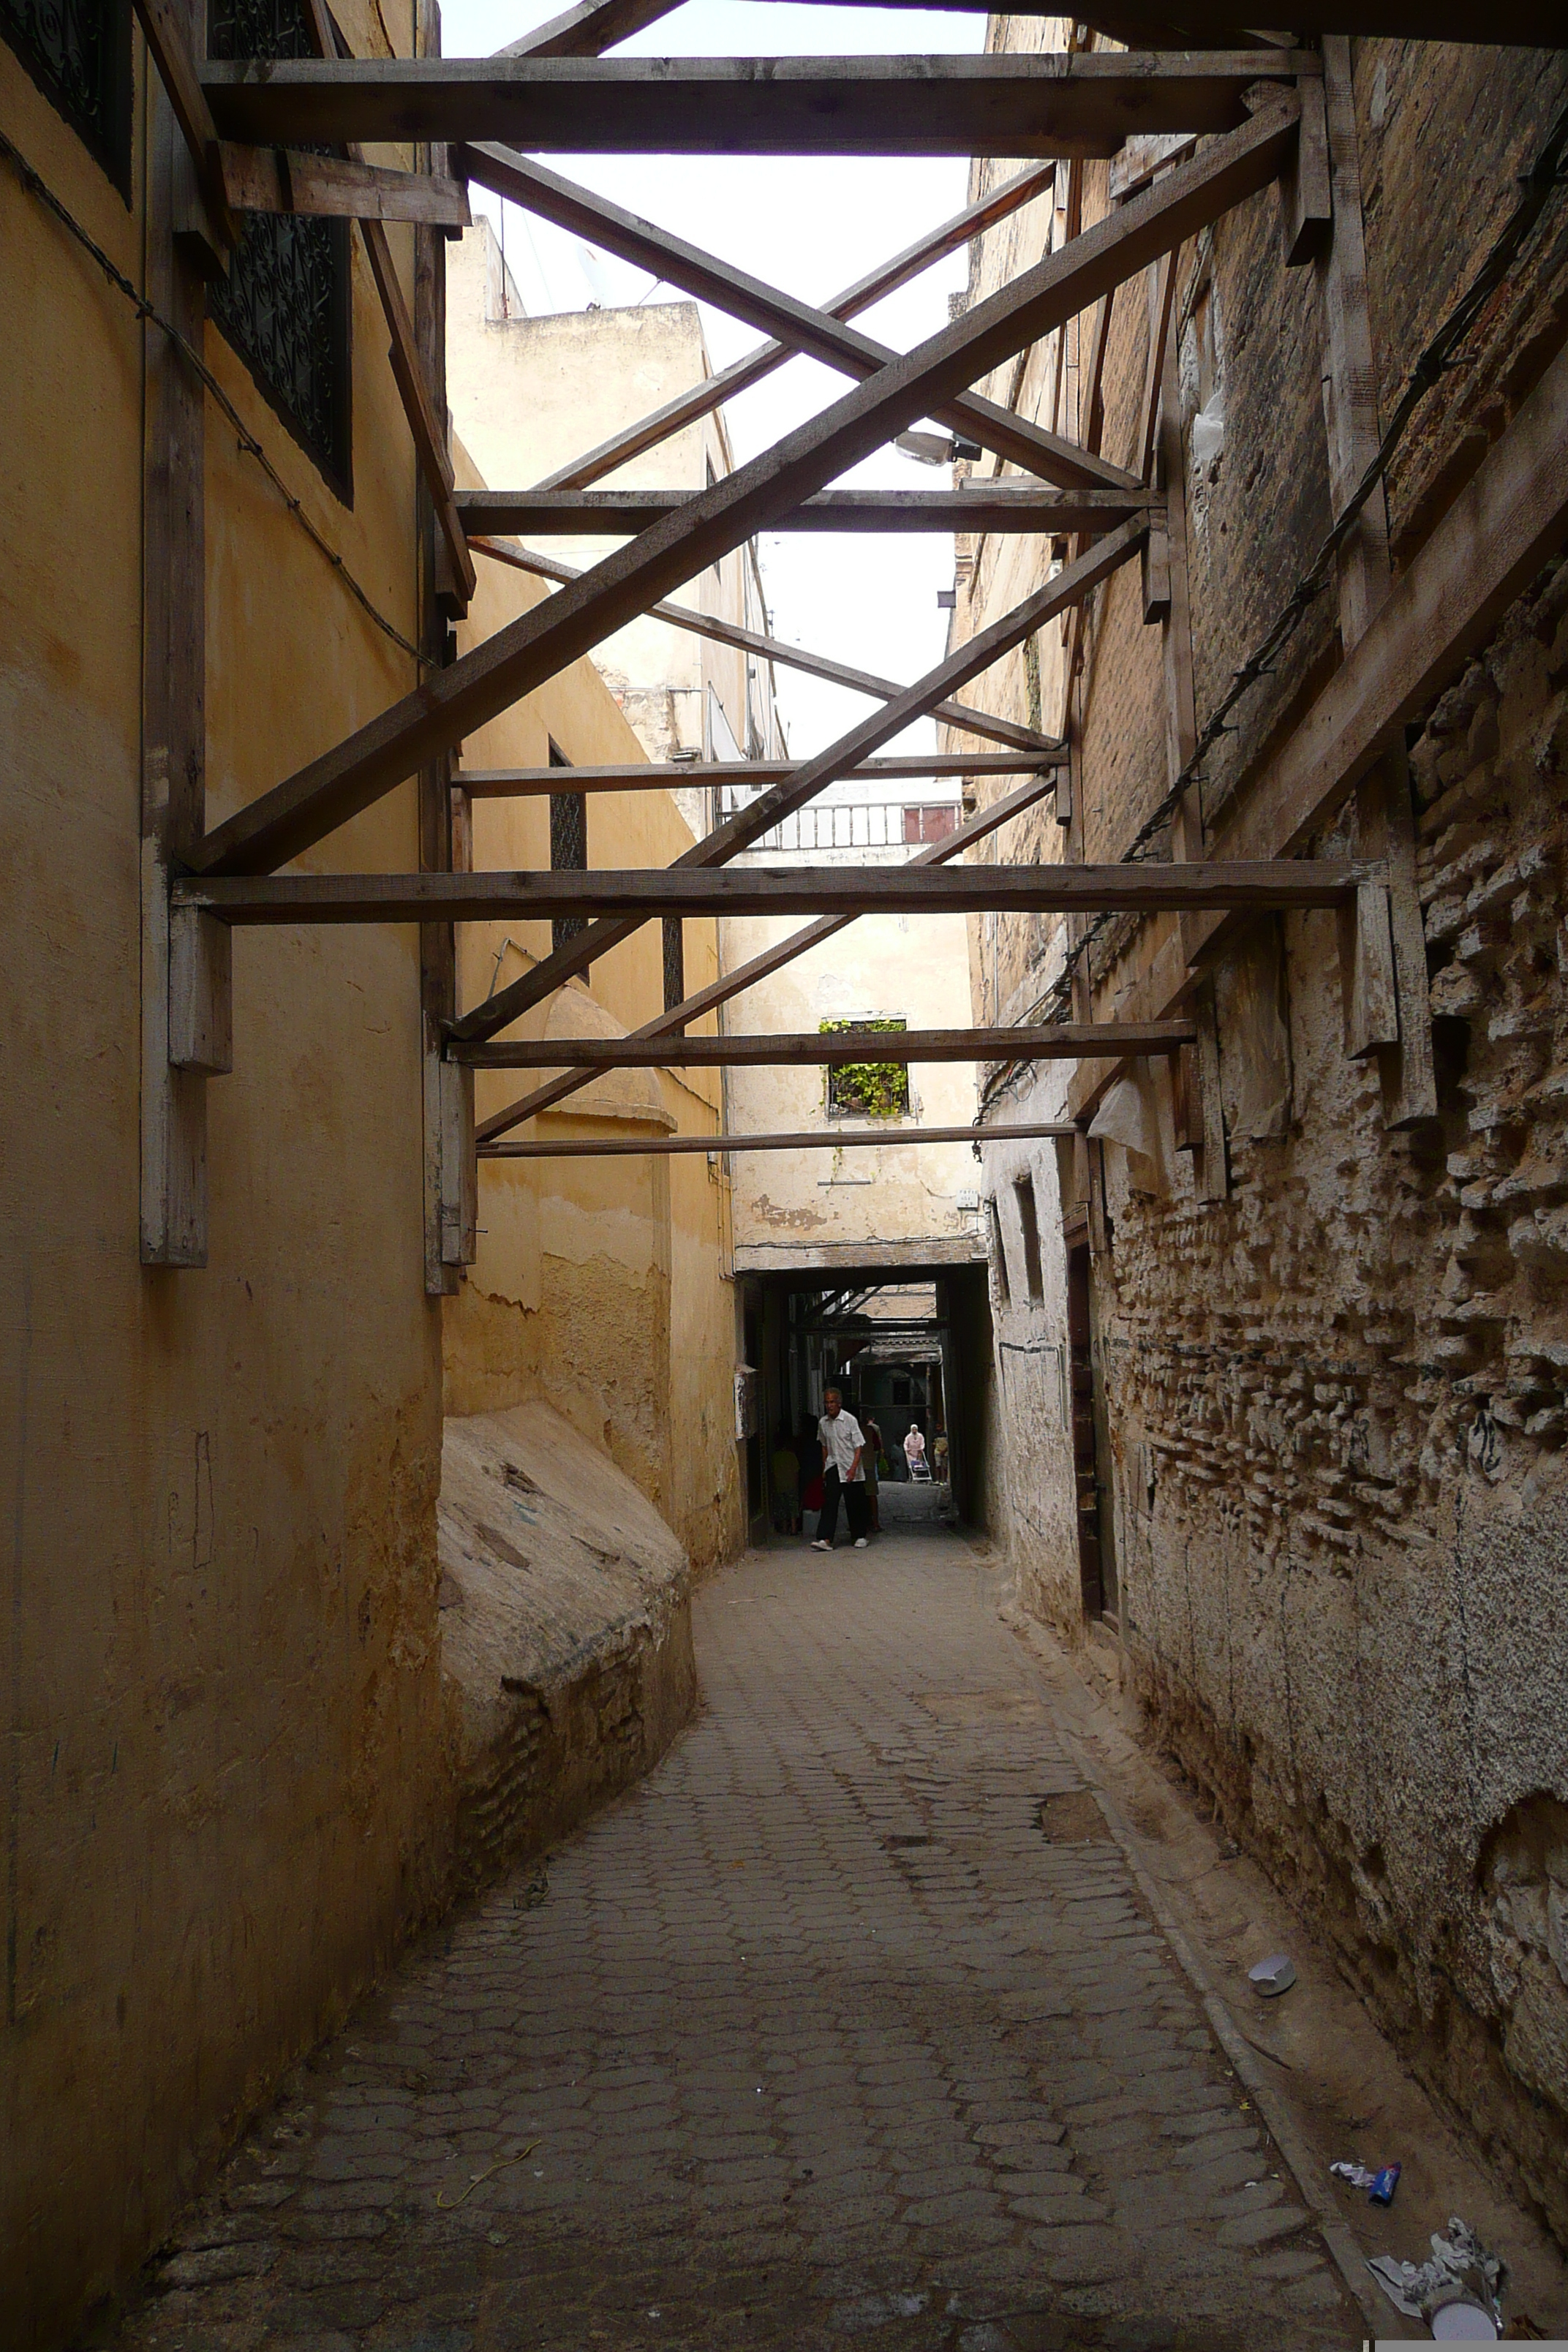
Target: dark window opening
1024, 1191
285, 305
674, 962
568, 847
874, 1089
999, 1255
79, 54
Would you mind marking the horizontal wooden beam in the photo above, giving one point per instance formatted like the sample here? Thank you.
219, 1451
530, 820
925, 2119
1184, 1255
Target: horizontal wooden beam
701, 400
456, 701
667, 775
803, 328
1062, 1043
984, 723
280, 180
968, 506
1199, 24
734, 983
814, 1139
1508, 521
1053, 104
708, 890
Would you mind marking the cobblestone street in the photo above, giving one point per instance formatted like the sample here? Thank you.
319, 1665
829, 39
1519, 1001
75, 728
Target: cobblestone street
847, 2027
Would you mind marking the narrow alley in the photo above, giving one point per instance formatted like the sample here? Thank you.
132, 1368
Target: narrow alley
846, 2025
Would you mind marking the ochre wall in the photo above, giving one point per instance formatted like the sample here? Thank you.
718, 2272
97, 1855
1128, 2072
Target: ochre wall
598, 1284
223, 1729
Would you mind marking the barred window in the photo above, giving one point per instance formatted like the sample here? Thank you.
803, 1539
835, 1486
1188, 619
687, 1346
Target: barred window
78, 53
568, 847
285, 304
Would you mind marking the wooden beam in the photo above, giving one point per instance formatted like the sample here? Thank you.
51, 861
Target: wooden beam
588, 30
749, 824
1044, 105
1061, 1042
169, 45
701, 400
786, 656
1506, 522
706, 890
1189, 23
665, 775
275, 180
969, 506
428, 429
178, 957
540, 643
566, 205
816, 1139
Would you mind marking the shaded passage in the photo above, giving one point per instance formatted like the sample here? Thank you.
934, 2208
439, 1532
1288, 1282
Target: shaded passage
847, 2027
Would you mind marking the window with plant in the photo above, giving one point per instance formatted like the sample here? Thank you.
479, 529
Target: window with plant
872, 1089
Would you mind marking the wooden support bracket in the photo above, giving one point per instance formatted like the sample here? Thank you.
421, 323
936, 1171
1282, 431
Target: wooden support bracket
276, 180
459, 1167
201, 992
1366, 972
1306, 194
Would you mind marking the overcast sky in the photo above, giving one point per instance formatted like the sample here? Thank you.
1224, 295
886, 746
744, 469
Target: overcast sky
811, 225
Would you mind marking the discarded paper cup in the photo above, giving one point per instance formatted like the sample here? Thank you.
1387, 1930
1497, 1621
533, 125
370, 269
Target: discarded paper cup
1271, 1977
1463, 2322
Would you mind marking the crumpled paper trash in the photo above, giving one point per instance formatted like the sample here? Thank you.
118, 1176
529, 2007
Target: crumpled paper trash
1460, 2266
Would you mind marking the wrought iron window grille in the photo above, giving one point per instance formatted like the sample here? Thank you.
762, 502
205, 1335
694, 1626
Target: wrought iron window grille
285, 304
79, 54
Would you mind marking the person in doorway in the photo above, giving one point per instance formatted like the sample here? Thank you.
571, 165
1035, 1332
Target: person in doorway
915, 1452
871, 1463
843, 1444
939, 1456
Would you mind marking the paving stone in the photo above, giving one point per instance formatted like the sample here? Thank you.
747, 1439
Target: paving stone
791, 2081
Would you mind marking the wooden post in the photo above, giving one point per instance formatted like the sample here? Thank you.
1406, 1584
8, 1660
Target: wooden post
173, 1175
443, 1106
1385, 818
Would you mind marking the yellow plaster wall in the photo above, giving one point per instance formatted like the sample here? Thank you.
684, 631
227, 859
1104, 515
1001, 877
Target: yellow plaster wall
223, 1748
598, 1283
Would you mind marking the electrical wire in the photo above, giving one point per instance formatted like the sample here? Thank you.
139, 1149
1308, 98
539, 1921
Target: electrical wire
37, 187
1546, 174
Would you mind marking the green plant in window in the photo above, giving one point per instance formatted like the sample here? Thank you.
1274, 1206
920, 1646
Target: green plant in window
874, 1089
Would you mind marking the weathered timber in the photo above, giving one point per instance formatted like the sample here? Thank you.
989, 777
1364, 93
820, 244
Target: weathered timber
787, 656
1060, 1042
816, 332
1510, 518
276, 180
818, 1139
663, 775
701, 399
698, 890
991, 105
166, 33
1198, 24
443, 709
756, 968
749, 824
587, 30
968, 506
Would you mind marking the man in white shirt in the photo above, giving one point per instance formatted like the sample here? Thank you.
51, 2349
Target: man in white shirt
843, 1446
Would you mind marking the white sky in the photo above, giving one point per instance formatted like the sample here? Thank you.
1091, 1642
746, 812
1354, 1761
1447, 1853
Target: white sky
810, 225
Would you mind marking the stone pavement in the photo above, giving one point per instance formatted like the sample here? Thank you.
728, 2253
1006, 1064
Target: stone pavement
845, 2030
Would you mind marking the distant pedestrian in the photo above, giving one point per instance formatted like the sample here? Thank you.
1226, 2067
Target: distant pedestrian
915, 1452
939, 1456
842, 1443
872, 1466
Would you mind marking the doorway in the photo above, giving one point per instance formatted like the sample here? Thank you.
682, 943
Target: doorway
1090, 1441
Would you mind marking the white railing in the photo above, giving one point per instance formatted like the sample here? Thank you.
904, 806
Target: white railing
865, 825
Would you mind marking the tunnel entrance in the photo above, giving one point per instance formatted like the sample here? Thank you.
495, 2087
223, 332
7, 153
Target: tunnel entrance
910, 1348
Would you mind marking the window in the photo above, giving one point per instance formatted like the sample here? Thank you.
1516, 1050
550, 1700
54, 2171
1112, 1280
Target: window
1024, 1190
78, 53
930, 823
285, 304
568, 847
999, 1255
873, 1089
674, 962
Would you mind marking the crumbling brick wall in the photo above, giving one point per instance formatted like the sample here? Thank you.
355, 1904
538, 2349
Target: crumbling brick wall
1336, 1399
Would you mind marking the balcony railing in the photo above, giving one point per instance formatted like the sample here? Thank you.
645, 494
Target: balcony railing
867, 825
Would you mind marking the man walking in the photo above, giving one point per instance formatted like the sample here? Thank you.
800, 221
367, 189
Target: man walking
843, 1446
